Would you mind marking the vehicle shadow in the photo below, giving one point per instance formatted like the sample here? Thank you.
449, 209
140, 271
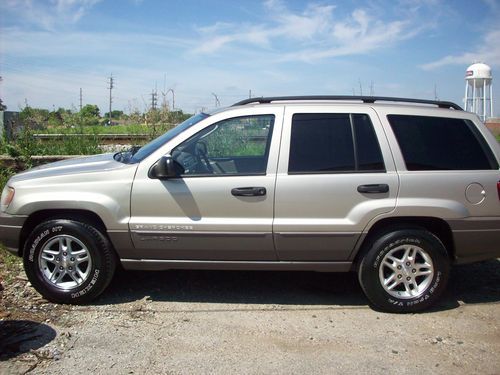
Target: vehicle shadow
21, 336
476, 282
472, 284
235, 287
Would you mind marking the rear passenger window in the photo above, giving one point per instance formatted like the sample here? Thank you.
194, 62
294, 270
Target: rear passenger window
368, 149
329, 143
438, 143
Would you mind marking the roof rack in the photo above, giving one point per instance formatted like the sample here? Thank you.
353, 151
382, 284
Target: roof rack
364, 99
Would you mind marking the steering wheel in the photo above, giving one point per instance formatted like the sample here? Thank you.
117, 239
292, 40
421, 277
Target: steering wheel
201, 152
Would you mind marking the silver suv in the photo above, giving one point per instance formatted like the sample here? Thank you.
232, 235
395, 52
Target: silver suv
394, 189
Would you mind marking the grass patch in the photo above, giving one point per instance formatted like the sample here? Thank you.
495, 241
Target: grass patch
115, 129
66, 146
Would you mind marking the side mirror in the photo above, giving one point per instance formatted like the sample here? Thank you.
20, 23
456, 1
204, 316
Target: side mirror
166, 168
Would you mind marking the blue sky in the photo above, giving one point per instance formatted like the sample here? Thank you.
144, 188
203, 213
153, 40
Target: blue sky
50, 49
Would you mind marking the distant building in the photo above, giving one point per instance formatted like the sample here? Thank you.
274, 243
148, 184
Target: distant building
10, 124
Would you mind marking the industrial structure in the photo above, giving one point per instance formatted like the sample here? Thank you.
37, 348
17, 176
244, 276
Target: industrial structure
479, 90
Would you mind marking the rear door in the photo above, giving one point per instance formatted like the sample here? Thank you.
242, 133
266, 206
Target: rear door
335, 174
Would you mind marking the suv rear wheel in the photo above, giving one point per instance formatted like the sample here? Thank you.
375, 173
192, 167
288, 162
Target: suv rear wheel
68, 261
404, 270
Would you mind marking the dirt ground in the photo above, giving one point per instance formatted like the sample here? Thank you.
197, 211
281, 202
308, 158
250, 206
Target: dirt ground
198, 322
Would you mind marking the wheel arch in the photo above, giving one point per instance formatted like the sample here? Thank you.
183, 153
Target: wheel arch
436, 226
38, 217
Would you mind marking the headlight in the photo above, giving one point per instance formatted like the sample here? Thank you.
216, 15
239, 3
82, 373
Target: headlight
7, 197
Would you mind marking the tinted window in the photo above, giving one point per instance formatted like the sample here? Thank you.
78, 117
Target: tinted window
235, 146
324, 142
321, 143
369, 157
437, 143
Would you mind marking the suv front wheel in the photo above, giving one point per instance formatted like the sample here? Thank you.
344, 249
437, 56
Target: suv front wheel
404, 270
68, 261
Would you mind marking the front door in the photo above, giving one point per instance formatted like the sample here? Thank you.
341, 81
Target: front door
221, 206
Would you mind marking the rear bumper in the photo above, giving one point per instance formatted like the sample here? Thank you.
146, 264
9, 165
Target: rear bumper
10, 231
476, 239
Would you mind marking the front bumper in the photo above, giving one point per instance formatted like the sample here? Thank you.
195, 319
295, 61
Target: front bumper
10, 231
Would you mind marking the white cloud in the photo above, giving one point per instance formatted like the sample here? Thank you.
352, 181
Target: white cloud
488, 52
315, 33
49, 15
315, 20
46, 44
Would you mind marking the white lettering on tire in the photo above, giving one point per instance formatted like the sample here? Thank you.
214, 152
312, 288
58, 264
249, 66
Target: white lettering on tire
88, 287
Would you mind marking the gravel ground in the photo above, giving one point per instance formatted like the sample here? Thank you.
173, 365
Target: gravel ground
190, 322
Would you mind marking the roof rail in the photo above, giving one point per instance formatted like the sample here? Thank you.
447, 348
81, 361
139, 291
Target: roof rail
364, 99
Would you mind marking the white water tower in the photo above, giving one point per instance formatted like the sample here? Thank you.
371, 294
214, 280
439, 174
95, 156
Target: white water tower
479, 90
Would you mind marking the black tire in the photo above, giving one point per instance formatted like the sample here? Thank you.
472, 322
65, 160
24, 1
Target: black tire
418, 292
88, 278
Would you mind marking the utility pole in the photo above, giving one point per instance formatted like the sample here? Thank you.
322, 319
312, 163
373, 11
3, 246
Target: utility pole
81, 96
153, 99
249, 94
217, 102
360, 88
111, 85
372, 91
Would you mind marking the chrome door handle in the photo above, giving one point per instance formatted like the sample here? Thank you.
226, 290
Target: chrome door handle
249, 192
373, 188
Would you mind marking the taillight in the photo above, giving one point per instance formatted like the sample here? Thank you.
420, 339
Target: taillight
498, 189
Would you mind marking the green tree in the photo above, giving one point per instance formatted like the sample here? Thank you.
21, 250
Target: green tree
90, 110
89, 115
34, 118
3, 107
114, 114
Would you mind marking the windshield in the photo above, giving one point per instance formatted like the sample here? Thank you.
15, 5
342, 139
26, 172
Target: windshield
152, 146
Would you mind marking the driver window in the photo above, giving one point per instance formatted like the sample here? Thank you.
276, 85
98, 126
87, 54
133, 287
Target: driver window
237, 146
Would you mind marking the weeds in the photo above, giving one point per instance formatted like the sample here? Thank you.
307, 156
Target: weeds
5, 174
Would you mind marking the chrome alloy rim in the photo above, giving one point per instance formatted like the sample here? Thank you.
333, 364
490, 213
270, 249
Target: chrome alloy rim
65, 262
406, 272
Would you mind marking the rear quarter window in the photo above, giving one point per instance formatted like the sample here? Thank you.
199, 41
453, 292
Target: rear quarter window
439, 143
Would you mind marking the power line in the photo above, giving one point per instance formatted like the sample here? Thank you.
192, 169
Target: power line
173, 97
217, 101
